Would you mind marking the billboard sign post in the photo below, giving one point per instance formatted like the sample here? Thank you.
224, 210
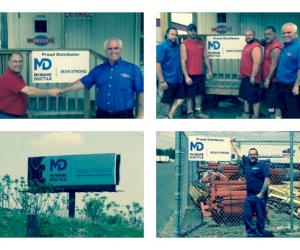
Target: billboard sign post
74, 173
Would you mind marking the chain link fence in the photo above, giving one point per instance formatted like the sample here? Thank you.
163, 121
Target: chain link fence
210, 195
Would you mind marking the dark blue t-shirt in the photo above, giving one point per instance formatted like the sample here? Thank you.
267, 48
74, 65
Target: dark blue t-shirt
116, 85
255, 175
289, 62
168, 55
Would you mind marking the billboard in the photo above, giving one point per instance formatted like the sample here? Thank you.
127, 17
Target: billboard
225, 47
81, 173
59, 66
203, 148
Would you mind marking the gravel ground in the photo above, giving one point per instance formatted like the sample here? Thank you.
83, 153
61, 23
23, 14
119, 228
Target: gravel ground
194, 227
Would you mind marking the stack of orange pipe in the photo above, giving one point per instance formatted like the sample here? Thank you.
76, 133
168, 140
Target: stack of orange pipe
226, 195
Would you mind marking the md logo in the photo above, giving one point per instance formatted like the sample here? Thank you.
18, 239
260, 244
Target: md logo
198, 146
44, 63
59, 164
214, 45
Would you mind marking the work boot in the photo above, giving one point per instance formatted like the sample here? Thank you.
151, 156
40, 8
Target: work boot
199, 114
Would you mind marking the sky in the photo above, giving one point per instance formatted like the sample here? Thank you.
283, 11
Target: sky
15, 147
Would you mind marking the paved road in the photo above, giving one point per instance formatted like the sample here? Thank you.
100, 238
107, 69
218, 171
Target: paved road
165, 189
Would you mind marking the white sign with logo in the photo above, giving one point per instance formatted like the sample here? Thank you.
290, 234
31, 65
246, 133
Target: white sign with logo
59, 66
225, 47
203, 148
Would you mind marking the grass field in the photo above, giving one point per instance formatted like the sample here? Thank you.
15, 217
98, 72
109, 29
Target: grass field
13, 224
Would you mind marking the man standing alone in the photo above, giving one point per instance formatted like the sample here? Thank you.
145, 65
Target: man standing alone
257, 182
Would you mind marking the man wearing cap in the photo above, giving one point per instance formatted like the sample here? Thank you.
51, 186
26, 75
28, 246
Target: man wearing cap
168, 70
250, 75
193, 53
288, 72
120, 85
272, 49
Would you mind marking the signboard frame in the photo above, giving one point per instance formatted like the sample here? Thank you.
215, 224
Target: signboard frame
200, 149
37, 182
59, 66
216, 46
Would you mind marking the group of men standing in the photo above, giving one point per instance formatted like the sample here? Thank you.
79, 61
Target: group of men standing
268, 69
180, 72
277, 67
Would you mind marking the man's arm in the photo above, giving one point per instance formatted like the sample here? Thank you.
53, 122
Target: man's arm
274, 58
75, 86
140, 106
236, 149
183, 59
32, 91
264, 187
295, 89
207, 63
162, 82
256, 57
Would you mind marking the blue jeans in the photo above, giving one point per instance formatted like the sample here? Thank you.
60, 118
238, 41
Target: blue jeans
254, 205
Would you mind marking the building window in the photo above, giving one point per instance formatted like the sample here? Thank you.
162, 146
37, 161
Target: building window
40, 26
221, 18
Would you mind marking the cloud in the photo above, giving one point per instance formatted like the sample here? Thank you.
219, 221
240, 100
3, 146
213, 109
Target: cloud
58, 140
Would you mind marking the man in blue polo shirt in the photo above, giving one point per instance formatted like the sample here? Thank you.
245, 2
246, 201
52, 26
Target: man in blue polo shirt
257, 182
119, 84
288, 72
168, 70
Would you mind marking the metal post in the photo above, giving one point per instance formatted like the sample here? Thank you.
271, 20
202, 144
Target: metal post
292, 181
72, 204
32, 226
178, 184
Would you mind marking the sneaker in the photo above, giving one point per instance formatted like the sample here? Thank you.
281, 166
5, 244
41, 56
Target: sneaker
199, 114
190, 115
244, 116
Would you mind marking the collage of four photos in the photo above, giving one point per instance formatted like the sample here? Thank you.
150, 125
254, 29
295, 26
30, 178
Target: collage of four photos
209, 67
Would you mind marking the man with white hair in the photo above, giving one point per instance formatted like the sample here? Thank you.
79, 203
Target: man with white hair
120, 85
288, 72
